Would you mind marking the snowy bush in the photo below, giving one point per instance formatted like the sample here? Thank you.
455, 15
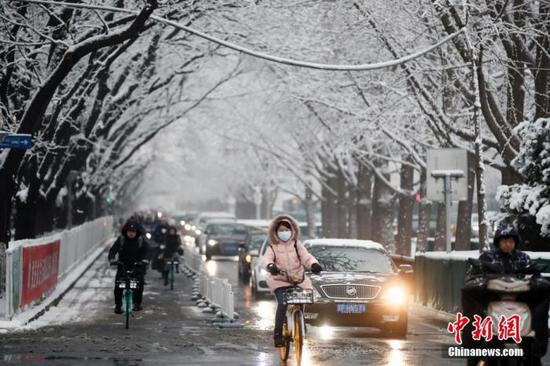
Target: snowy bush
533, 162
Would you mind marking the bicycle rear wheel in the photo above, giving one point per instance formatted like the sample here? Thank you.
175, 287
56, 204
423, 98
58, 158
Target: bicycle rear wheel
298, 336
285, 350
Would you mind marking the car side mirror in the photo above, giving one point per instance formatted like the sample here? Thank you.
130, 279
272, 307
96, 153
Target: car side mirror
406, 268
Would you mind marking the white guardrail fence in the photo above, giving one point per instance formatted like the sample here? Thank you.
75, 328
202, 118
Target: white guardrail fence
212, 294
34, 267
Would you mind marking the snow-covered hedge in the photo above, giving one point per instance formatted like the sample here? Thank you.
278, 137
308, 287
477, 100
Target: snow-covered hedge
533, 162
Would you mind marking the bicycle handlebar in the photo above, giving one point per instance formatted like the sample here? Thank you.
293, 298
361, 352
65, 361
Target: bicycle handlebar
290, 280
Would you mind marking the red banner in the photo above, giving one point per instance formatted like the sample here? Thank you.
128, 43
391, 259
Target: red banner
40, 267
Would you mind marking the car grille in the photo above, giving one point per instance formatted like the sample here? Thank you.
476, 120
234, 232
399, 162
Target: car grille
350, 291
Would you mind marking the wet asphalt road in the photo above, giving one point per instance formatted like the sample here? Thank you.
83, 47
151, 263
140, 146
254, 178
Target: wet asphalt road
83, 330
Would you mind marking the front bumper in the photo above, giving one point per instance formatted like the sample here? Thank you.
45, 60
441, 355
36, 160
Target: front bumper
222, 249
377, 314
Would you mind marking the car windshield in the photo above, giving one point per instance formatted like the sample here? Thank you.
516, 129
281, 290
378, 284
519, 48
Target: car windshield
351, 259
226, 229
256, 241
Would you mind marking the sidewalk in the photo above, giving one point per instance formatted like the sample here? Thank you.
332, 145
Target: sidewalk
171, 330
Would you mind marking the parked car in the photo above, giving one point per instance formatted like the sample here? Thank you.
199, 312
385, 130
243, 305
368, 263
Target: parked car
258, 275
250, 250
360, 286
223, 238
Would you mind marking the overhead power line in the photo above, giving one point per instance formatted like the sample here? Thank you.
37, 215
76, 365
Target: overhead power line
262, 55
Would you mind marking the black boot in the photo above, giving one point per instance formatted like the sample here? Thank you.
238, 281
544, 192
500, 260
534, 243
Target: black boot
118, 309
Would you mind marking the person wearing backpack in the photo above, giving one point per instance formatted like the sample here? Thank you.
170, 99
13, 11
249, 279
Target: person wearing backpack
131, 248
286, 253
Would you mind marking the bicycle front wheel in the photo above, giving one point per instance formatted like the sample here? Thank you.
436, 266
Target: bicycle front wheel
172, 276
128, 308
285, 350
298, 336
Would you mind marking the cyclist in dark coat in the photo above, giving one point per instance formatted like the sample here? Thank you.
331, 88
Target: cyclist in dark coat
131, 248
172, 246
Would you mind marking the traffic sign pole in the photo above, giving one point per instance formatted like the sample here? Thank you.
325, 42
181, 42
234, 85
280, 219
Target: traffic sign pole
447, 176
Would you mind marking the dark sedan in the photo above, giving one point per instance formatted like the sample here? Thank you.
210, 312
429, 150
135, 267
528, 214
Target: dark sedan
223, 238
360, 286
250, 250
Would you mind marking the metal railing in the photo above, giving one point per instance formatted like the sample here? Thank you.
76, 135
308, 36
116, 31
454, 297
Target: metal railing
211, 293
75, 246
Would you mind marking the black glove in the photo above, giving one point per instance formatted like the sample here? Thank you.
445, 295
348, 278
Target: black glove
272, 268
316, 268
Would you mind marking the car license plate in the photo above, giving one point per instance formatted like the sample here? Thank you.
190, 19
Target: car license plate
351, 308
230, 248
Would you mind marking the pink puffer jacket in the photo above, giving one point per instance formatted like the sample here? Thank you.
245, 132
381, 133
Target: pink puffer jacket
286, 256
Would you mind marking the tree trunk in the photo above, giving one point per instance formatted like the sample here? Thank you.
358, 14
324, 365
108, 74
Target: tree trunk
424, 218
310, 212
464, 217
382, 223
25, 208
406, 207
352, 213
364, 204
440, 232
342, 206
330, 214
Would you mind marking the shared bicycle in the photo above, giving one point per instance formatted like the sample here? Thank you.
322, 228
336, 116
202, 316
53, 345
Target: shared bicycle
171, 268
294, 326
130, 283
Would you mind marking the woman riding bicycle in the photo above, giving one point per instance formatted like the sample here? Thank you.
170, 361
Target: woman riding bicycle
286, 254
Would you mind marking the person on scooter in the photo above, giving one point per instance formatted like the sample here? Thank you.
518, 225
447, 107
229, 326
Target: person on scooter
172, 248
506, 258
286, 253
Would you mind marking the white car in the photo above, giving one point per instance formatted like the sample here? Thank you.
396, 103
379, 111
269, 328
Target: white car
258, 275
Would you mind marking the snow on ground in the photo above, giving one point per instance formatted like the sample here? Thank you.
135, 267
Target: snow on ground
81, 302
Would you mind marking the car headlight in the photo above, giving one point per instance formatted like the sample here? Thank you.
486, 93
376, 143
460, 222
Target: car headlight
395, 295
148, 235
198, 232
248, 258
212, 242
187, 227
182, 222
193, 227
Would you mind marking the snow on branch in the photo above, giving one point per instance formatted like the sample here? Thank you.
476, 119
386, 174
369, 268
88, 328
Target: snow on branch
269, 57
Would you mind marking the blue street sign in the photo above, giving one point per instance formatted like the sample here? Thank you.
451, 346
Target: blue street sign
15, 141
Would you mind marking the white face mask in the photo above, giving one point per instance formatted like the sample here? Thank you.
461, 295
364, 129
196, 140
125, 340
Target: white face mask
284, 235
